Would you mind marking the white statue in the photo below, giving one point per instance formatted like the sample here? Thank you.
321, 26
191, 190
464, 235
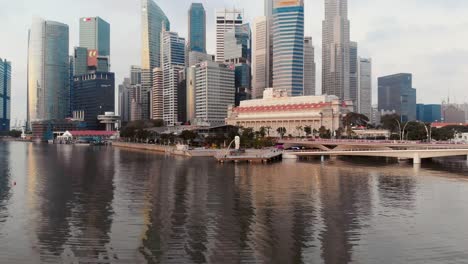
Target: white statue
23, 134
237, 142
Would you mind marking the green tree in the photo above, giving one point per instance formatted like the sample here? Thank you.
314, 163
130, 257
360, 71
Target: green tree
188, 135
14, 133
262, 132
391, 122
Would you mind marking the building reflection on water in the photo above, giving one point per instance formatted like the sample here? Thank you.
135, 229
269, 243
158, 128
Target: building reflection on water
105, 205
73, 200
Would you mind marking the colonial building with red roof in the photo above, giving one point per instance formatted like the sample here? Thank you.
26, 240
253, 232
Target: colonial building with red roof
277, 109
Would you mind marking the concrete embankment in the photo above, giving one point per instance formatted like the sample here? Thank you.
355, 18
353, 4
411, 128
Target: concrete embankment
167, 149
151, 147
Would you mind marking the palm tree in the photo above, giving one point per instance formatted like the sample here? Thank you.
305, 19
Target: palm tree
281, 131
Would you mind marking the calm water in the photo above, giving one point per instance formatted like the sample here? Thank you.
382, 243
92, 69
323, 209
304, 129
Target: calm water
72, 204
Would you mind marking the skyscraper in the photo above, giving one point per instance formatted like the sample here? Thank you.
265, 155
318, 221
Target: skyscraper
93, 95
80, 60
197, 28
48, 71
309, 67
214, 92
157, 101
135, 75
364, 93
153, 22
353, 72
95, 35
125, 100
288, 46
261, 56
336, 49
397, 95
172, 62
226, 19
237, 46
5, 95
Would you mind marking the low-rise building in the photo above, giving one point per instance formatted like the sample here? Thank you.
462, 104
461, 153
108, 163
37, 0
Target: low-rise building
277, 109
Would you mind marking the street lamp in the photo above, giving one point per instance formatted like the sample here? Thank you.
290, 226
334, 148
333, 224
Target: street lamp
399, 129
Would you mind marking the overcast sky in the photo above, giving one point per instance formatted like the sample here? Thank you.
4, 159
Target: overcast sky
428, 38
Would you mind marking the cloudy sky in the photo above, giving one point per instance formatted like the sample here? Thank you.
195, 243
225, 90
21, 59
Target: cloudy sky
428, 38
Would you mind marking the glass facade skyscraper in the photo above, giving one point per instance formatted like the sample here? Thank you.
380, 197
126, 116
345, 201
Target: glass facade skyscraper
5, 95
288, 46
197, 28
154, 21
173, 61
397, 95
93, 95
336, 49
48, 71
226, 20
95, 35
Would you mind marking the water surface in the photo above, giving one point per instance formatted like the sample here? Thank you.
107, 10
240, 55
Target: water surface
79, 204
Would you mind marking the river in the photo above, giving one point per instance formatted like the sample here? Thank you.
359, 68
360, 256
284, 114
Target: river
80, 204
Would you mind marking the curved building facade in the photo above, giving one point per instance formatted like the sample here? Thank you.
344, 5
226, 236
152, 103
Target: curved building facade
288, 46
154, 20
48, 71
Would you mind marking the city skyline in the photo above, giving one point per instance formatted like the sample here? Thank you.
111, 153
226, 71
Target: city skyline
437, 68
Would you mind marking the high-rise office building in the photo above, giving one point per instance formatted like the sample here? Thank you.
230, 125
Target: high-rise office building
190, 77
80, 60
154, 21
136, 106
336, 49
309, 67
237, 44
48, 71
226, 19
157, 97
172, 62
397, 95
261, 56
182, 97
288, 46
214, 92
195, 57
95, 35
125, 100
93, 95
429, 113
135, 75
197, 28
5, 95
353, 72
364, 93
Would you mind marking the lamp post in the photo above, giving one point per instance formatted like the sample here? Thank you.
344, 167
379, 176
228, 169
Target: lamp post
399, 129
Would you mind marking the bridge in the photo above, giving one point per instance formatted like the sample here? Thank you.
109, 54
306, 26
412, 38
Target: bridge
391, 149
